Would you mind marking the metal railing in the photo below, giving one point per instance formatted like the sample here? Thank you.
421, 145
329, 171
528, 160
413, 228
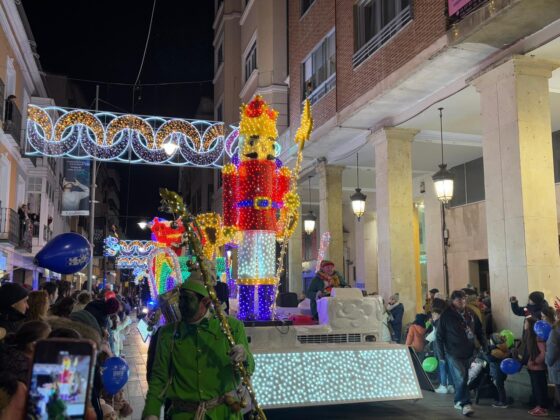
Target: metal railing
10, 230
322, 89
382, 37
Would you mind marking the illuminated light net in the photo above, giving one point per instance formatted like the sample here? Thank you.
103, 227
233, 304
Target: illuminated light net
55, 131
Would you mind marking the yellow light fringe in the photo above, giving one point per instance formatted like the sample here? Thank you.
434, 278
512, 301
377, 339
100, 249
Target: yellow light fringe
257, 282
212, 230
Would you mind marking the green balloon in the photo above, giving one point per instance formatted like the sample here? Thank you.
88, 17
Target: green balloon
510, 338
430, 364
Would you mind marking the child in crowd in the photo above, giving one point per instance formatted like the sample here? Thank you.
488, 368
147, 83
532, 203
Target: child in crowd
416, 332
498, 351
445, 381
536, 350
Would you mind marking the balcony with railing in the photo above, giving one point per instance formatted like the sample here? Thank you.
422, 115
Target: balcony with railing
14, 231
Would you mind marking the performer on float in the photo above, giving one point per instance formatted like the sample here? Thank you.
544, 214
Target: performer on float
254, 192
321, 285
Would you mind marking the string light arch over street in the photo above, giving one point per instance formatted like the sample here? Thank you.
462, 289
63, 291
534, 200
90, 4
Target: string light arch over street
105, 136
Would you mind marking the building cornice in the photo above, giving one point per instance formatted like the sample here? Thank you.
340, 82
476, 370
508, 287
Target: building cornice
13, 28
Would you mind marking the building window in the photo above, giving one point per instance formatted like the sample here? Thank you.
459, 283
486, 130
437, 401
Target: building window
319, 70
34, 184
305, 4
375, 23
468, 186
251, 61
219, 54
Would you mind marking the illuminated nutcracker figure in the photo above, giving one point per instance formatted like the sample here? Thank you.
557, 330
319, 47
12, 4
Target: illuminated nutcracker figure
254, 195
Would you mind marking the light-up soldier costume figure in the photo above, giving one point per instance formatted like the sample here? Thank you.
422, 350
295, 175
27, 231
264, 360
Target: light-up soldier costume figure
254, 191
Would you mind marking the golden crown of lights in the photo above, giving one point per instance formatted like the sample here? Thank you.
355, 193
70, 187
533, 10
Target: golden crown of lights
258, 119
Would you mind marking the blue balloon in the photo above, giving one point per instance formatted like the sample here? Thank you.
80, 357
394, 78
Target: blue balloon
510, 366
66, 253
542, 329
114, 374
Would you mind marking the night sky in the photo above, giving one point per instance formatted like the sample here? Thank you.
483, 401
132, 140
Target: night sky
104, 41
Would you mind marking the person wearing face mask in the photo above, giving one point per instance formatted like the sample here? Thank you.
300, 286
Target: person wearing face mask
534, 306
193, 367
13, 306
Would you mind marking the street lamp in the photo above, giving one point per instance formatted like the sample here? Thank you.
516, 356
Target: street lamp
169, 148
309, 219
143, 224
443, 184
358, 198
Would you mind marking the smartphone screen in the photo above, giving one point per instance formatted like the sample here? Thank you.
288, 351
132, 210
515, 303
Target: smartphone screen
143, 329
61, 378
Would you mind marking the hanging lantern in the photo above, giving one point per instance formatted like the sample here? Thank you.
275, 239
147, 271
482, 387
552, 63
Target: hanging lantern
309, 221
358, 198
443, 179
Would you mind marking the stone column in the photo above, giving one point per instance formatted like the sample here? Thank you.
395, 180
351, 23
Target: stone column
330, 208
366, 251
519, 183
295, 281
395, 232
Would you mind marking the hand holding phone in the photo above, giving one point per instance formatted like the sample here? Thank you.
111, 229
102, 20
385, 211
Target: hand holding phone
61, 378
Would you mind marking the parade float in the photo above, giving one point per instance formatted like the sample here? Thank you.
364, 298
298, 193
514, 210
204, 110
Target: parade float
295, 364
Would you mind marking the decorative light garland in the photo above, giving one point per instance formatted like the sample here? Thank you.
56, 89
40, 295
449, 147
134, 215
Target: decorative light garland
125, 138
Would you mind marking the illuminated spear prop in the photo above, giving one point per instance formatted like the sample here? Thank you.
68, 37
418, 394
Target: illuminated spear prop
292, 201
173, 203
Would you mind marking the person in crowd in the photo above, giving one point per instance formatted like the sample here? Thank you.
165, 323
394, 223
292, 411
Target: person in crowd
431, 296
63, 307
325, 279
456, 336
416, 332
552, 356
536, 367
497, 351
64, 290
65, 333
13, 306
396, 312
548, 315
38, 302
15, 359
118, 330
472, 304
52, 290
534, 306
84, 297
222, 291
193, 366
445, 381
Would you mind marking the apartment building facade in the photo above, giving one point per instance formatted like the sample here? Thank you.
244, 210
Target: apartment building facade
35, 182
376, 72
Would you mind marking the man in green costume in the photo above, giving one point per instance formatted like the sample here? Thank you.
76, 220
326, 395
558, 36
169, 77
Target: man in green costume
194, 363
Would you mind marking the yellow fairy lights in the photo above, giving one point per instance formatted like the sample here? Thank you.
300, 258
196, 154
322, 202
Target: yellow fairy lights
257, 119
79, 117
40, 117
131, 122
271, 281
178, 126
211, 227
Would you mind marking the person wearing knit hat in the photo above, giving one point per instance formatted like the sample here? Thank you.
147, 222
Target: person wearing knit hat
195, 347
535, 304
13, 306
325, 279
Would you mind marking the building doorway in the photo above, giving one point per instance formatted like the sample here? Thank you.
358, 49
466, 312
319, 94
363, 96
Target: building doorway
479, 275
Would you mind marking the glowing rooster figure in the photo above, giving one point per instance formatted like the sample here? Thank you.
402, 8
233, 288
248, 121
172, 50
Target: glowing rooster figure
257, 189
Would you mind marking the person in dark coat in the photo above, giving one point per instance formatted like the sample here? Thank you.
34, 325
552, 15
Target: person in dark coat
13, 306
456, 333
222, 291
534, 306
101, 309
396, 310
